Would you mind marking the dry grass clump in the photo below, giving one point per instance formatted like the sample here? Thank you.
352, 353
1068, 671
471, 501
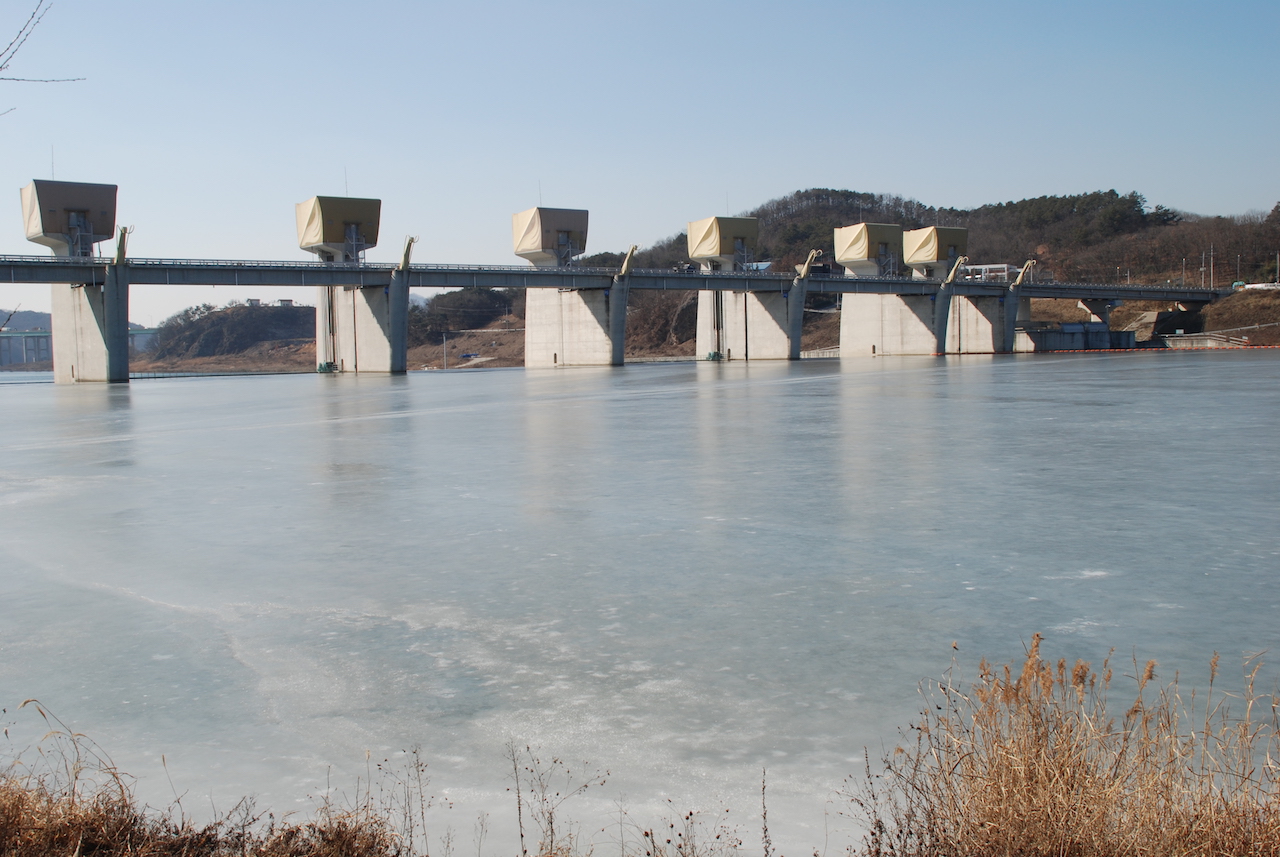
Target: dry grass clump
684, 834
1036, 762
38, 822
68, 800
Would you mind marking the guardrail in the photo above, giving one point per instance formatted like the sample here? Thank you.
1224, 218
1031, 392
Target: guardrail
30, 269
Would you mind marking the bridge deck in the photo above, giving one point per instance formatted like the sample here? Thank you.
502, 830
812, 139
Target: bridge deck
193, 272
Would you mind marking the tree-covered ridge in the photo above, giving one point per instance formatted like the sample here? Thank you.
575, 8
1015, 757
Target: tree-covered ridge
1079, 221
207, 331
1095, 236
468, 308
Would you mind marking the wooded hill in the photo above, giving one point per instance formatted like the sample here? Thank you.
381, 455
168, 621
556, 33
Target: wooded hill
207, 331
1085, 237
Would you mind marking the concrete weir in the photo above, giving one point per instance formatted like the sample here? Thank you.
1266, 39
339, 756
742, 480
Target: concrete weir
575, 316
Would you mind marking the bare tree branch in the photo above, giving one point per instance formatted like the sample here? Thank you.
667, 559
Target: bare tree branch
42, 80
15, 44
5, 323
33, 21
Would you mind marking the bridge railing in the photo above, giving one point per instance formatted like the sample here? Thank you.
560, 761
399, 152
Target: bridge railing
679, 273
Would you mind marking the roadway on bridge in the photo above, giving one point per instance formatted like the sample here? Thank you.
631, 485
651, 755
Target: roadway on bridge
194, 272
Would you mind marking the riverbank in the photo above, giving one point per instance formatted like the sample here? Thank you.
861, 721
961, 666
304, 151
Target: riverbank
1030, 758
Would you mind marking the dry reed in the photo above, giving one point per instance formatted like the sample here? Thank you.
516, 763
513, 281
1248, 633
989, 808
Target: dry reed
1034, 761
69, 800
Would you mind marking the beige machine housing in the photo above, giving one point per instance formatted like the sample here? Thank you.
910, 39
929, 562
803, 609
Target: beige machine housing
865, 248
70, 217
934, 244
323, 222
548, 237
715, 239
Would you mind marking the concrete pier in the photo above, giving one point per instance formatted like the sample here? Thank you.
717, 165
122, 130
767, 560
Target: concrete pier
874, 325
369, 326
976, 325
574, 327
91, 329
568, 326
1017, 314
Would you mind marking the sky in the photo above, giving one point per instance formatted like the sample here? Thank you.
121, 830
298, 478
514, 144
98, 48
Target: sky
216, 118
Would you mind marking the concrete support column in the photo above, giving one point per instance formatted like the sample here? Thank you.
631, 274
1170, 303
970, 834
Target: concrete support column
618, 296
1099, 309
795, 316
91, 329
768, 326
975, 326
371, 326
1012, 315
875, 325
363, 330
115, 306
941, 318
398, 321
1024, 309
326, 346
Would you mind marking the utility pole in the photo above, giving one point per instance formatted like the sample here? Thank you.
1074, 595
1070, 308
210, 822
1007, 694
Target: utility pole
1202, 269
1211, 279
1184, 272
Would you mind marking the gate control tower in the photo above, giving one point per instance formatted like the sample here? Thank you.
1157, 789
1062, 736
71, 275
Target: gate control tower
869, 249
338, 229
90, 320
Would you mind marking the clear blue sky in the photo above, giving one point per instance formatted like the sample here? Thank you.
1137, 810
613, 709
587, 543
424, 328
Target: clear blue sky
215, 118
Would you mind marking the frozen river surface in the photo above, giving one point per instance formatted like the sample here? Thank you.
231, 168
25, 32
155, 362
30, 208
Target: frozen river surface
683, 573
